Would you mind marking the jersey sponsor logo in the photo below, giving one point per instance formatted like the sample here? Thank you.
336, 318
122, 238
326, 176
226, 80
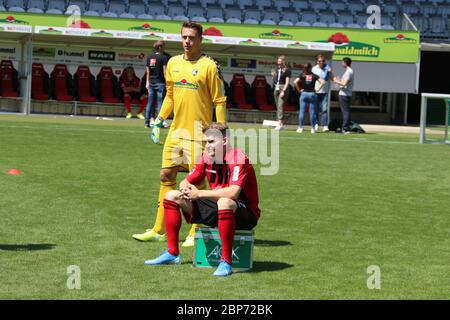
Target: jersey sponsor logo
184, 84
235, 173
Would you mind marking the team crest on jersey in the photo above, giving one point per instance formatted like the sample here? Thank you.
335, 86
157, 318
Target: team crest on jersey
194, 72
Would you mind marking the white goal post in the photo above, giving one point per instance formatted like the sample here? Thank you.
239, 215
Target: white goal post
423, 116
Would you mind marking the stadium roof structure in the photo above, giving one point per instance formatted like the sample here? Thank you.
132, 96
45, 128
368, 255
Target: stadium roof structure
211, 44
113, 39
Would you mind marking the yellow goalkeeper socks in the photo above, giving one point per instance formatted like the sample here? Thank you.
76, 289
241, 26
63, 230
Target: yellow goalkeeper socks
163, 189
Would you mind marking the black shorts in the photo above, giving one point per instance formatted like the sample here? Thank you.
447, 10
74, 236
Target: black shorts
135, 95
206, 212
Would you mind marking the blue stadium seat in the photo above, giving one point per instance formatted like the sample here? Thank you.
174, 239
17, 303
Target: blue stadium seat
56, 7
309, 16
327, 17
36, 6
337, 6
208, 3
215, 14
233, 15
437, 25
263, 4
137, 8
410, 8
355, 6
300, 5
303, 24
318, 5
282, 5
252, 16
336, 25
81, 4
244, 4
196, 13
286, 23
271, 17
420, 22
390, 7
345, 18
157, 10
290, 16
15, 5
428, 10
95, 8
225, 3
176, 12
116, 8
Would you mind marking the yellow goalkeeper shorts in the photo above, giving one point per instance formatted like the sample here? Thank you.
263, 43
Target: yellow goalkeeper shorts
182, 153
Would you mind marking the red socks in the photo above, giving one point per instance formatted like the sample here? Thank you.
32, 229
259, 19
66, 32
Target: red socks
127, 101
172, 219
143, 105
227, 227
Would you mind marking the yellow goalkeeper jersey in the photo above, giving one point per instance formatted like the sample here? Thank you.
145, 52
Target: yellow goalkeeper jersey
193, 87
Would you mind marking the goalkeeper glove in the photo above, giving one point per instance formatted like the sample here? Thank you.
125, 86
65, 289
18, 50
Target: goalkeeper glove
157, 129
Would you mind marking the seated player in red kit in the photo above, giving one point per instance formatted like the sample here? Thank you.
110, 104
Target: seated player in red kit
232, 202
132, 92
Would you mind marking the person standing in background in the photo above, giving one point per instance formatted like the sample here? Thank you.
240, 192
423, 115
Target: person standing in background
156, 81
345, 92
281, 84
324, 72
306, 84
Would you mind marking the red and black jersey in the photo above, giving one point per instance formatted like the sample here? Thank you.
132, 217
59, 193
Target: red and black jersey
127, 83
236, 170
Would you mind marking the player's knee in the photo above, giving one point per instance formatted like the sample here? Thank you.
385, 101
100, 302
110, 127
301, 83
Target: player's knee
167, 175
173, 195
226, 203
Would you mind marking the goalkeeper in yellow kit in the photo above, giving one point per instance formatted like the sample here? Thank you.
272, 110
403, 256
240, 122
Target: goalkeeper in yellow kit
194, 84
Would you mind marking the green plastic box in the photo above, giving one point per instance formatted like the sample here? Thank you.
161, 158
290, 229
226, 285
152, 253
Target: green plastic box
208, 249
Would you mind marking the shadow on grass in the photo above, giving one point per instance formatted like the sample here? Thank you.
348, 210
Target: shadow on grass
267, 266
271, 243
27, 246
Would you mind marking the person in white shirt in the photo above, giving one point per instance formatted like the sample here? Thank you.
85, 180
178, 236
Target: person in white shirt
324, 72
345, 92
281, 80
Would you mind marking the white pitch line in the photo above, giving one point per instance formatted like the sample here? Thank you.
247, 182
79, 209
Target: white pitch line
66, 128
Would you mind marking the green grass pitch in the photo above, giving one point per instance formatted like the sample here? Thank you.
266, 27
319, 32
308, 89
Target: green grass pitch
338, 205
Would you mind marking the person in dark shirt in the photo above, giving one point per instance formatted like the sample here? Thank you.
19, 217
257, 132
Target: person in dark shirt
281, 78
306, 84
156, 81
231, 203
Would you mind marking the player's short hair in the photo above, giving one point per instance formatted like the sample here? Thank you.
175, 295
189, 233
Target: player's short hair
347, 61
217, 127
320, 56
158, 44
193, 25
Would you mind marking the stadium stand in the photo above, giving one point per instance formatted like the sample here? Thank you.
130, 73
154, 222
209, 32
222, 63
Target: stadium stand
61, 85
15, 5
95, 8
56, 7
430, 16
39, 82
36, 6
9, 80
84, 88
